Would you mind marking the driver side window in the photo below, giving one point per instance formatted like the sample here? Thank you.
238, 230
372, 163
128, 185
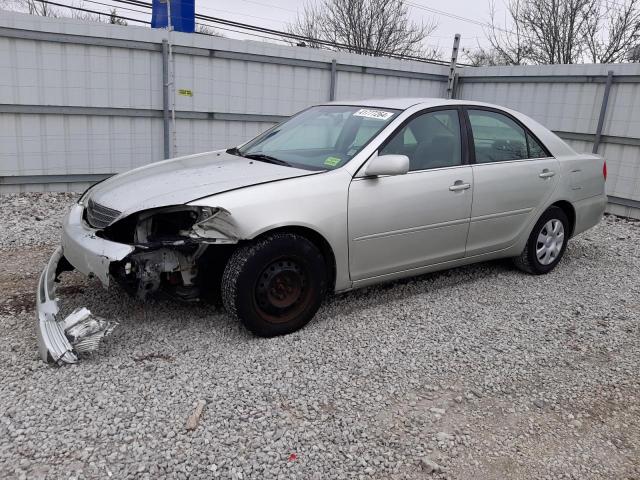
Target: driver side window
430, 140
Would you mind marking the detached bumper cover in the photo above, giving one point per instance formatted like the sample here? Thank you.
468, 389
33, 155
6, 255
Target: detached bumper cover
60, 341
53, 345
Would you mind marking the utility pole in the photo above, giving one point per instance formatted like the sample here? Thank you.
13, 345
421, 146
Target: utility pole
452, 68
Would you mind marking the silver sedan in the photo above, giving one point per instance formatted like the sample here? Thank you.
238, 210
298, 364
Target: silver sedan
339, 196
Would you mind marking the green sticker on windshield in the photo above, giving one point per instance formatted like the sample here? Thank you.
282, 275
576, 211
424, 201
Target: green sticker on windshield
332, 161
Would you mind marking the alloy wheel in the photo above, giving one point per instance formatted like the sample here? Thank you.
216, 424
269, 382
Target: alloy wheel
550, 241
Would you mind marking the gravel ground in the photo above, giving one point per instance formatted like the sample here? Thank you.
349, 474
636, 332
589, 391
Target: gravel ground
478, 372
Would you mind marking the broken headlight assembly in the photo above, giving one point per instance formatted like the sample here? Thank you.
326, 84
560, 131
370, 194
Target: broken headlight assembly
173, 226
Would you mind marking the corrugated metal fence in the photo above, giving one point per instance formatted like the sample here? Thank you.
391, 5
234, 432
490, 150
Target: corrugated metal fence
79, 101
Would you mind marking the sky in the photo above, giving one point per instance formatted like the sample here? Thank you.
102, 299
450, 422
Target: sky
276, 14
452, 16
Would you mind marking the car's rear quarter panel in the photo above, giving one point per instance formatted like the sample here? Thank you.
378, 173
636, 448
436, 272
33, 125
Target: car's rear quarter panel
583, 185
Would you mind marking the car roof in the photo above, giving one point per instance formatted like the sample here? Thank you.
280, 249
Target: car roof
404, 103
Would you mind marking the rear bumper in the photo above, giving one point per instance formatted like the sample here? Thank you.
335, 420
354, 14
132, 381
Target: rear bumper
60, 341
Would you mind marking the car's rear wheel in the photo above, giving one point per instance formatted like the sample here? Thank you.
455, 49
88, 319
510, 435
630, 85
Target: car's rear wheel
546, 244
275, 285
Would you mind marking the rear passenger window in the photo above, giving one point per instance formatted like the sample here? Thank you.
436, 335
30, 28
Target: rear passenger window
496, 137
535, 149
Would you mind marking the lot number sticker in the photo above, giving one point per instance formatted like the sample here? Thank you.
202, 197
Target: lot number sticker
377, 114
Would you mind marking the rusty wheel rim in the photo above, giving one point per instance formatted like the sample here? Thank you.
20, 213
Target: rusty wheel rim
282, 290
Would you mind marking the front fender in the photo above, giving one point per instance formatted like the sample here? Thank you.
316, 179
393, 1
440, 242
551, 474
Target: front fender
315, 202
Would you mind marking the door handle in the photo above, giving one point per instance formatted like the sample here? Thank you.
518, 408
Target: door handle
459, 185
546, 173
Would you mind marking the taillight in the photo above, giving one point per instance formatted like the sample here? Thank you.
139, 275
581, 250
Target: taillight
604, 170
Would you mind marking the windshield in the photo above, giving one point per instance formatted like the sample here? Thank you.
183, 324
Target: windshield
319, 138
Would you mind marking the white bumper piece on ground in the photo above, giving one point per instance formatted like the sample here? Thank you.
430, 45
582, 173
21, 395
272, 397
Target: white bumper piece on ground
61, 341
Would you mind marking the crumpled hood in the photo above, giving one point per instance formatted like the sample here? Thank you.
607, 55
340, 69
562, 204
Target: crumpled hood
184, 179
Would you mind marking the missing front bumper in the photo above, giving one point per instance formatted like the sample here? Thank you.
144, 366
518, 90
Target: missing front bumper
62, 341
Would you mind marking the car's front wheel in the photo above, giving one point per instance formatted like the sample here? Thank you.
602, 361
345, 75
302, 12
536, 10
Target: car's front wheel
275, 284
546, 244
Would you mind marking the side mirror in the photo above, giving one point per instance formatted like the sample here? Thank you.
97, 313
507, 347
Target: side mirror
387, 165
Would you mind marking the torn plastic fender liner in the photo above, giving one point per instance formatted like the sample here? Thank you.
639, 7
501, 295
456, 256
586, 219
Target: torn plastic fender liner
60, 341
219, 226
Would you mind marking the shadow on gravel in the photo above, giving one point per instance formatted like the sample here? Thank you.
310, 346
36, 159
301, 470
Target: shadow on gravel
428, 282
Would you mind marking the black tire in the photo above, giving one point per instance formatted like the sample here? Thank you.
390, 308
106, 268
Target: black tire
528, 260
275, 285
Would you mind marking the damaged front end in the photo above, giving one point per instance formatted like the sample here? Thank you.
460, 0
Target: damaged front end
170, 247
159, 249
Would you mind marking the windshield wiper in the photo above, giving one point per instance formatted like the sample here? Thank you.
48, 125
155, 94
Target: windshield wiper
267, 158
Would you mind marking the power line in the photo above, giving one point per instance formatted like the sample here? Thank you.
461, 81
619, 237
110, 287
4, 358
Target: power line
481, 23
101, 13
470, 20
242, 26
453, 15
95, 12
236, 31
270, 6
197, 23
114, 7
242, 14
293, 36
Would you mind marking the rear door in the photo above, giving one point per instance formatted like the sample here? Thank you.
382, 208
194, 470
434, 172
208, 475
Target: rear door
514, 175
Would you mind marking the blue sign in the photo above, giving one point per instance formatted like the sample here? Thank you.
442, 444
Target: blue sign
183, 13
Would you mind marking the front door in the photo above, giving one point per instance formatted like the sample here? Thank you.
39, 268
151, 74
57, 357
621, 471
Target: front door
401, 222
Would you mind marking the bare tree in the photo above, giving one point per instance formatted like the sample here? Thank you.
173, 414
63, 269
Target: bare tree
613, 31
32, 7
508, 46
481, 57
308, 25
542, 31
565, 31
114, 19
368, 27
633, 55
43, 9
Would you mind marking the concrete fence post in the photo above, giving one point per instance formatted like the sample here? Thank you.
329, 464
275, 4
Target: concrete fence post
603, 111
165, 98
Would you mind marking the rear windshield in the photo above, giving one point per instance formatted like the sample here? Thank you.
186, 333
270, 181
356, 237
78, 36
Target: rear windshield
319, 138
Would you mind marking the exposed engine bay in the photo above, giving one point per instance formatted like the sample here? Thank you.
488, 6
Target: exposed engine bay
170, 249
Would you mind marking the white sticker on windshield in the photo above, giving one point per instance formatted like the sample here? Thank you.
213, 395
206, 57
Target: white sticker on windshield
377, 114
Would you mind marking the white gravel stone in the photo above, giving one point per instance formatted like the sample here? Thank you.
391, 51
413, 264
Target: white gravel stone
349, 396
